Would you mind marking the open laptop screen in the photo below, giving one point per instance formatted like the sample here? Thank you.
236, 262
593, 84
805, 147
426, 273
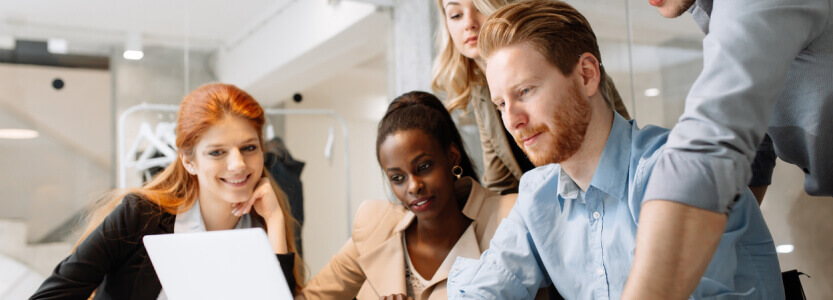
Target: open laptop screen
228, 264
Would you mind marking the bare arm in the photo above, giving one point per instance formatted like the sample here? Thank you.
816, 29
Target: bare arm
276, 231
264, 201
670, 268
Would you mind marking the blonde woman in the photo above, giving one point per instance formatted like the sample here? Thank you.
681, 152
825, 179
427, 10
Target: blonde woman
458, 73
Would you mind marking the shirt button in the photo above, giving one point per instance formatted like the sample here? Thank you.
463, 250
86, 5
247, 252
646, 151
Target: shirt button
596, 215
600, 271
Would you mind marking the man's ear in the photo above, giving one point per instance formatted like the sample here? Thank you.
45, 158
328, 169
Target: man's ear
590, 72
189, 165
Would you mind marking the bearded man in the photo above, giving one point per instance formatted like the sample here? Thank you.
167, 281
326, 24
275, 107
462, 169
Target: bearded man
575, 221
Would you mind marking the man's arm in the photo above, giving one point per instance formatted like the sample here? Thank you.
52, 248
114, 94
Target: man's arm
698, 235
706, 162
510, 269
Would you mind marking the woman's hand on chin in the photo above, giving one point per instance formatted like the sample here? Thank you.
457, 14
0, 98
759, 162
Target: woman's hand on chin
263, 200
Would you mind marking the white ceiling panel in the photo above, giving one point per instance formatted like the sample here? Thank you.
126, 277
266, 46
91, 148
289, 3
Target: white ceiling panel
206, 23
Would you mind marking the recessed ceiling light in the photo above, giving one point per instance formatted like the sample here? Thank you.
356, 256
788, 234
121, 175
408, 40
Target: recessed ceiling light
18, 134
652, 92
133, 54
786, 248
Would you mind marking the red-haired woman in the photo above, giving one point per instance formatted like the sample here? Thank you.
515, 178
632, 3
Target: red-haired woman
218, 182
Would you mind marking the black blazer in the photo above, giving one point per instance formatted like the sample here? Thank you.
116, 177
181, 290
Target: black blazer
113, 261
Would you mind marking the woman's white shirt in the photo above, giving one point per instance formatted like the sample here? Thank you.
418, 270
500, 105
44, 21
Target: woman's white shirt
191, 221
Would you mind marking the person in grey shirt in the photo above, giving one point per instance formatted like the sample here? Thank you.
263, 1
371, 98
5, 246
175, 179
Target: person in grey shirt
766, 85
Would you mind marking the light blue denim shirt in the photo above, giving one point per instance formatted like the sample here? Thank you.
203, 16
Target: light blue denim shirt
584, 241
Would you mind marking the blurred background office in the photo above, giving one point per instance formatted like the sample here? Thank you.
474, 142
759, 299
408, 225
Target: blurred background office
74, 76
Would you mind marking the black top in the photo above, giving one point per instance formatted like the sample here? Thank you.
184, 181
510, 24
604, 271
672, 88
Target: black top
764, 163
113, 262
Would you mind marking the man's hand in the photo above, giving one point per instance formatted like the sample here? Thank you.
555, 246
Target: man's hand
674, 245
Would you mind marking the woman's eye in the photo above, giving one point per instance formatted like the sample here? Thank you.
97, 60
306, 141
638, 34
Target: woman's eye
525, 91
250, 148
423, 167
455, 16
396, 178
216, 153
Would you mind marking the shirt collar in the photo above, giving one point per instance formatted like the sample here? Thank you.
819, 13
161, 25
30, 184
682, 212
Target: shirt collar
567, 188
191, 220
611, 174
701, 12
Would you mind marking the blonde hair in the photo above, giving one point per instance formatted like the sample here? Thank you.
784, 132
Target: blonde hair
488, 7
455, 74
175, 189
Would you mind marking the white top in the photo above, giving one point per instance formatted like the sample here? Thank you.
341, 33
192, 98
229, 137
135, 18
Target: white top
415, 284
191, 221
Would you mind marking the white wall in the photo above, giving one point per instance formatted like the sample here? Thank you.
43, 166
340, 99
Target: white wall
359, 96
47, 179
804, 221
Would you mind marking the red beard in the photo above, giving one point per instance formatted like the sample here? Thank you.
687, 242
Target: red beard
568, 127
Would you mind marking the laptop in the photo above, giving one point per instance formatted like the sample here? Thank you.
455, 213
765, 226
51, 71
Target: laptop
228, 264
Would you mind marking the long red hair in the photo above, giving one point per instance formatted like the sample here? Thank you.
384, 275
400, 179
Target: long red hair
174, 189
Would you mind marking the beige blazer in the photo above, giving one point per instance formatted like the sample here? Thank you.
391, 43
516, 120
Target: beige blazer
503, 172
372, 263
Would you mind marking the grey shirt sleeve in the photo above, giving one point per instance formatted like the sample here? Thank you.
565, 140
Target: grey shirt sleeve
746, 56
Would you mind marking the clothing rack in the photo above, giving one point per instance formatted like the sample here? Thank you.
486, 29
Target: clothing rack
122, 156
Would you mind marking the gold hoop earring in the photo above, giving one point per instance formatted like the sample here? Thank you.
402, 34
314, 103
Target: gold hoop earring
457, 171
